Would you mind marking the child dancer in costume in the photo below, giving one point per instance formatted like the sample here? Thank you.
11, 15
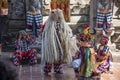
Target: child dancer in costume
87, 53
23, 50
56, 42
103, 56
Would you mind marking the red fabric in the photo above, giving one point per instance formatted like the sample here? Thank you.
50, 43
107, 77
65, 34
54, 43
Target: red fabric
19, 55
42, 26
102, 53
87, 26
29, 25
24, 54
0, 45
105, 40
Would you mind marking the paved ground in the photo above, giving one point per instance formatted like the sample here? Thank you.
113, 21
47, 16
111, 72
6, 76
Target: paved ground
115, 75
35, 73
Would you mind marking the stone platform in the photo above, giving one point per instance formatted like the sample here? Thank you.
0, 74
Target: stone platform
35, 72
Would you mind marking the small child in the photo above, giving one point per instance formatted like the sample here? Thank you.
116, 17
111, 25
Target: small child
23, 50
103, 56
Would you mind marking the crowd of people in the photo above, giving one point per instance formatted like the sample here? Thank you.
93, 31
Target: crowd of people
57, 48
59, 45
92, 61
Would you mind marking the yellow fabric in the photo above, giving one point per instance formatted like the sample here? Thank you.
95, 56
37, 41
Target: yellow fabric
4, 4
92, 36
64, 5
102, 59
86, 31
0, 4
88, 66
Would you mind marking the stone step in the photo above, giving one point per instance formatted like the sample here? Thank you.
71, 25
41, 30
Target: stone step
69, 74
116, 56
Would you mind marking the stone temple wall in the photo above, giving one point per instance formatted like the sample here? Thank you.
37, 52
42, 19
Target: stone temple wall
84, 11
81, 12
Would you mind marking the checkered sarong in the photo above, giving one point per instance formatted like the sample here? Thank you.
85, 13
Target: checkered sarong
36, 17
101, 17
57, 67
19, 56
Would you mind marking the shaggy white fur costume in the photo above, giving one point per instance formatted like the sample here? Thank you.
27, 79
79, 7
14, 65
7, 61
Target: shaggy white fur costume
56, 46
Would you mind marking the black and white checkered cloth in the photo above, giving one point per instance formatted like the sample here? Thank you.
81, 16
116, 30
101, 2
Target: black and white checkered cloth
101, 17
36, 17
22, 45
25, 46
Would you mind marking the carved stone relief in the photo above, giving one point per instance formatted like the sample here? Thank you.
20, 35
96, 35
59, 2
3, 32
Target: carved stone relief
117, 9
77, 7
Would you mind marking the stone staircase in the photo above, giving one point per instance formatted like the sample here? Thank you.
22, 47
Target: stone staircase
116, 37
15, 26
9, 37
69, 74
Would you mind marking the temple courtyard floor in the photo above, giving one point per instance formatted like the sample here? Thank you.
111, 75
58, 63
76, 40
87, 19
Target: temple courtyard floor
35, 72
